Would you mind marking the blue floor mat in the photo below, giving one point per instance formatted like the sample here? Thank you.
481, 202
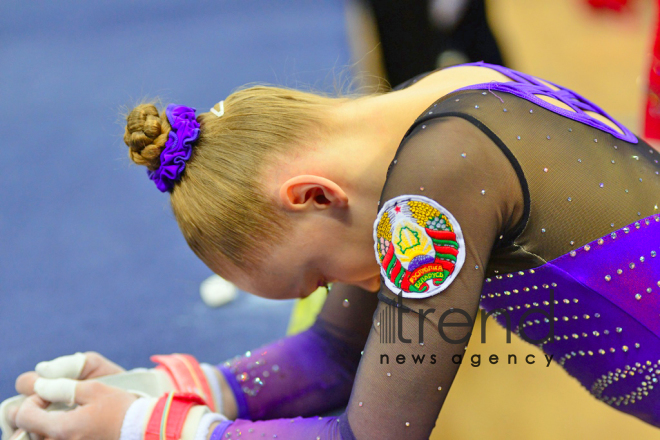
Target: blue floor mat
92, 258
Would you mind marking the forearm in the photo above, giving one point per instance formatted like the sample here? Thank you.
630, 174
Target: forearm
326, 428
211, 430
302, 375
229, 408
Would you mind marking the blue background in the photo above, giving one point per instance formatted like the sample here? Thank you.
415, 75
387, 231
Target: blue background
91, 257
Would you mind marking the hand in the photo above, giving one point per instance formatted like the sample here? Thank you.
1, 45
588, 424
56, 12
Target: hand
100, 415
76, 366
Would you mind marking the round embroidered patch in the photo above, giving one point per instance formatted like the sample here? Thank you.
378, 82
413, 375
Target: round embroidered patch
419, 246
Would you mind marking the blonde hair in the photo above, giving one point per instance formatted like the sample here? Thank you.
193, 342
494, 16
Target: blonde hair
220, 203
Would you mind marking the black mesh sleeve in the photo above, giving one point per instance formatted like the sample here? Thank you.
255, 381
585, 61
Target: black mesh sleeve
413, 351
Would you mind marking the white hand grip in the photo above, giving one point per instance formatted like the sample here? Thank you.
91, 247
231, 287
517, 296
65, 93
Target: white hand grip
69, 366
56, 390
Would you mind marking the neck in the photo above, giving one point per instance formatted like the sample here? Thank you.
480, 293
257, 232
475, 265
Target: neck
362, 140
366, 135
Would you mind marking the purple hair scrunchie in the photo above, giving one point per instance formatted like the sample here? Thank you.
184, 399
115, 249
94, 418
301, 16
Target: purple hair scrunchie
178, 148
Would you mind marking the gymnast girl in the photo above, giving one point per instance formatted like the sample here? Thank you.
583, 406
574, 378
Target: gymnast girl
470, 186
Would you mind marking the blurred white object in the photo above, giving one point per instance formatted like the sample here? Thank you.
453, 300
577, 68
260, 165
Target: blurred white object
446, 14
451, 58
216, 291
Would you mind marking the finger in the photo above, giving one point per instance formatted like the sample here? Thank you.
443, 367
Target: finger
98, 365
71, 391
70, 366
56, 390
11, 416
33, 418
16, 434
88, 391
25, 383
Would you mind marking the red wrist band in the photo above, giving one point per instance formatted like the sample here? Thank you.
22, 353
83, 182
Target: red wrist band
186, 374
169, 415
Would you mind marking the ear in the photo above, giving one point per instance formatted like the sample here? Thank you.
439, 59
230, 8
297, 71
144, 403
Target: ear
307, 192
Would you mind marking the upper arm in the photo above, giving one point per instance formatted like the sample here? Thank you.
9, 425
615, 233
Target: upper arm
348, 311
394, 395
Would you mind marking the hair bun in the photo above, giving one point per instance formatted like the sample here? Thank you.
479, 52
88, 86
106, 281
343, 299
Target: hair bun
146, 134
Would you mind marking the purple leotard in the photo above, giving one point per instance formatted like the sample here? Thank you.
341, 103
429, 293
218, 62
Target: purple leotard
581, 264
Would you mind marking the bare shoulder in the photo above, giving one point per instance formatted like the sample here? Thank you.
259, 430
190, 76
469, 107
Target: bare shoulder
445, 81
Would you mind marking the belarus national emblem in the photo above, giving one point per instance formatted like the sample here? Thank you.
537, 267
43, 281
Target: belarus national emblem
419, 246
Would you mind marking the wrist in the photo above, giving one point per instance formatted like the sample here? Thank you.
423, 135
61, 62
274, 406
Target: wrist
229, 405
230, 380
207, 425
213, 379
193, 420
136, 418
176, 415
144, 418
188, 376
217, 430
